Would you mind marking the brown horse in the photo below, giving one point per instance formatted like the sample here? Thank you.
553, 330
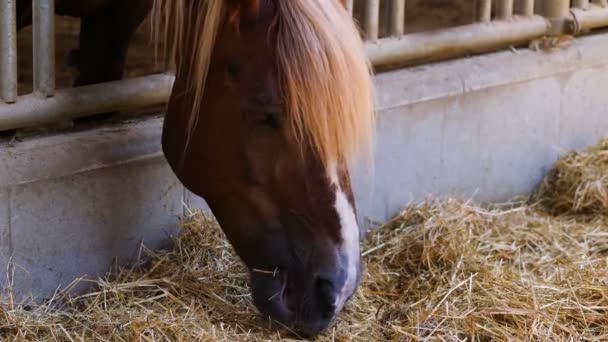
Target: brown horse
272, 101
106, 28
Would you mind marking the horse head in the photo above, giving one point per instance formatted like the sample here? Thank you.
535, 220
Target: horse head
273, 101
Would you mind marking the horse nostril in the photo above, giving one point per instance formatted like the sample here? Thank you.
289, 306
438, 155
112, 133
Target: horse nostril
263, 99
327, 295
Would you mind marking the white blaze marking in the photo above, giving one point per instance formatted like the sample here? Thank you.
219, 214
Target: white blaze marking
350, 238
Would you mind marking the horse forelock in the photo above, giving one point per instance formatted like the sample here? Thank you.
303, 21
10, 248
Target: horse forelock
325, 79
325, 76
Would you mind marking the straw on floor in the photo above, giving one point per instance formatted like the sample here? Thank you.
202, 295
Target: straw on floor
578, 182
440, 270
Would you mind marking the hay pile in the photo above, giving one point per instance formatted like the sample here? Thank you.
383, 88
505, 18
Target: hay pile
453, 270
441, 270
578, 183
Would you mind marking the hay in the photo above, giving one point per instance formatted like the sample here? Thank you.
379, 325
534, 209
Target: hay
452, 270
441, 270
578, 183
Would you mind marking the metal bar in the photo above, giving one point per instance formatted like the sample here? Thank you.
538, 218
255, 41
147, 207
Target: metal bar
8, 51
592, 18
527, 8
397, 17
582, 4
601, 3
484, 11
371, 19
69, 103
458, 41
43, 31
556, 8
558, 14
350, 5
504, 9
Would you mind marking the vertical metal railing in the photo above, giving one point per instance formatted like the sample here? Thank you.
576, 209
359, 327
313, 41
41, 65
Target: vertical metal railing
371, 19
581, 4
563, 16
556, 8
397, 8
487, 33
601, 3
497, 24
484, 11
44, 47
350, 6
504, 9
556, 11
8, 51
527, 7
46, 105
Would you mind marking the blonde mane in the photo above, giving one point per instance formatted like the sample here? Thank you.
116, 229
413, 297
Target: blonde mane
324, 72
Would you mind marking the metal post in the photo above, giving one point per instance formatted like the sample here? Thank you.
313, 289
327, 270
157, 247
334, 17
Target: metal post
397, 17
504, 9
601, 3
8, 51
350, 5
556, 8
588, 19
371, 19
558, 14
484, 10
457, 41
527, 7
582, 4
44, 47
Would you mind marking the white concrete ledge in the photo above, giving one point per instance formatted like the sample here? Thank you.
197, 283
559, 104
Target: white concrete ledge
456, 77
487, 126
51, 157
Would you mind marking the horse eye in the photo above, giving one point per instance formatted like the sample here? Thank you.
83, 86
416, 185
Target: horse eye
233, 65
270, 119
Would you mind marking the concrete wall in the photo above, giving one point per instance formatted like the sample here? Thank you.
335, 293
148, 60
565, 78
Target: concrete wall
489, 126
70, 204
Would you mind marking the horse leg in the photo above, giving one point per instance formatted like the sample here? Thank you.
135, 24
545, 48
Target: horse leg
104, 40
104, 36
